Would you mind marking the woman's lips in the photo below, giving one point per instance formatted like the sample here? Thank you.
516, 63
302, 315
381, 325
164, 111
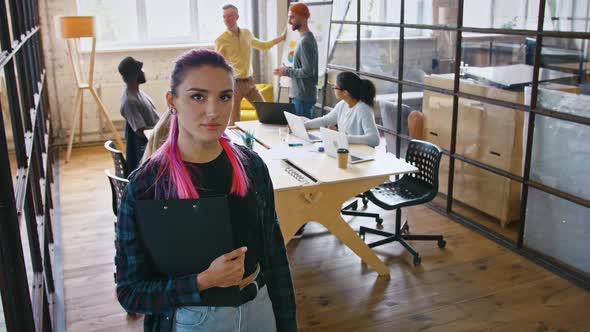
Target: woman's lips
210, 126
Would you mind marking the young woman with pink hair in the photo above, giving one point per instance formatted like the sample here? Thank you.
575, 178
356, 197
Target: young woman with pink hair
198, 160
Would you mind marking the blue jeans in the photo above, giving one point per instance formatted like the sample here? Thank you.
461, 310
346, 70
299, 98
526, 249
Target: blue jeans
304, 107
256, 315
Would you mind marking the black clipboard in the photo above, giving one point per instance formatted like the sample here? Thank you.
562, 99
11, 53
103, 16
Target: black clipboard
183, 236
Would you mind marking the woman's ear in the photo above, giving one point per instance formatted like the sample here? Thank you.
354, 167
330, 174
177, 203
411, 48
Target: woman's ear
170, 100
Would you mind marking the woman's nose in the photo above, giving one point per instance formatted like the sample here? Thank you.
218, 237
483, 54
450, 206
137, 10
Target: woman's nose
210, 108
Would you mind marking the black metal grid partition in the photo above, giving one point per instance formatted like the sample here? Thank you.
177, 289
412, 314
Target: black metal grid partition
26, 234
511, 143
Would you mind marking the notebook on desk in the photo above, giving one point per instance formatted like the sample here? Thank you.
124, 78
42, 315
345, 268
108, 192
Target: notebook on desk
183, 236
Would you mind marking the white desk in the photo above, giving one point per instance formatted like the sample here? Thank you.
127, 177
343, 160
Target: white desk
321, 196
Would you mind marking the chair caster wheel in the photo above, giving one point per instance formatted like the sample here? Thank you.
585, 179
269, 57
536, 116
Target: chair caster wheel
379, 221
442, 243
417, 260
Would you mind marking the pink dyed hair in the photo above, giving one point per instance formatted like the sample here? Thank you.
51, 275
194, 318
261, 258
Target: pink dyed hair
168, 158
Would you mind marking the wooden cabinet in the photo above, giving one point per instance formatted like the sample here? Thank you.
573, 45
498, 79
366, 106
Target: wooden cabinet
487, 133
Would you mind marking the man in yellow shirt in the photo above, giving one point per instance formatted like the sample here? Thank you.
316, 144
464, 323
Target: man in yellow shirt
236, 44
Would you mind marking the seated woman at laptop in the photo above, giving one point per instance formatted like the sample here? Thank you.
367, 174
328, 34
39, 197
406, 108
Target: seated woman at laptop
353, 114
198, 160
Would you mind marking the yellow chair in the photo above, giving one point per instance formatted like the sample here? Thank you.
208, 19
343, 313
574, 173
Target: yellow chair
247, 111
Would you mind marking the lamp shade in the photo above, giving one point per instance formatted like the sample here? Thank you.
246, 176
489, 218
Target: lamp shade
76, 26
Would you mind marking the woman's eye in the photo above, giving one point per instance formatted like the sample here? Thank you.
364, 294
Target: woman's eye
198, 96
226, 97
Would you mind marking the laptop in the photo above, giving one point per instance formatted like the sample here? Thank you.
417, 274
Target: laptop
272, 113
298, 128
334, 140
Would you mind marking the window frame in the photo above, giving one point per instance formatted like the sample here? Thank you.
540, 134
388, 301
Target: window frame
143, 39
541, 31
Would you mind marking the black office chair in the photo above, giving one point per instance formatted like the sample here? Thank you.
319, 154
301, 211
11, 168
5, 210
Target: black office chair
388, 112
351, 209
118, 186
411, 189
118, 159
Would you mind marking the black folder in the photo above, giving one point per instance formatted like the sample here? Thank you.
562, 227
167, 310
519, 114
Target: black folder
182, 237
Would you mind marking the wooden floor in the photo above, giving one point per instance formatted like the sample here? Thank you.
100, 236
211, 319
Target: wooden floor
472, 285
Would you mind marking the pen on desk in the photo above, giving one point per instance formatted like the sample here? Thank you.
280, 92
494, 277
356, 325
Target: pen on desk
295, 144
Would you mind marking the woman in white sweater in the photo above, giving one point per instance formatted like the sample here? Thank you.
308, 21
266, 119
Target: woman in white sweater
353, 115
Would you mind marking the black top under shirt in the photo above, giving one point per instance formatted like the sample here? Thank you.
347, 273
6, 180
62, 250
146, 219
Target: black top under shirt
214, 178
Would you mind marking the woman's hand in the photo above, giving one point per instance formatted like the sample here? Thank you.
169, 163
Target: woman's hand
225, 271
333, 127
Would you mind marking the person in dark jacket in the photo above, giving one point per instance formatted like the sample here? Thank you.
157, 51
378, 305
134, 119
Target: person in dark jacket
198, 160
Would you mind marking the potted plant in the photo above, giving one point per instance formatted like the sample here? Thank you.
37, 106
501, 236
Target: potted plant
248, 139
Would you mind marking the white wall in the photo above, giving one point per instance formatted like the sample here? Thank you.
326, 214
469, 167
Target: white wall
157, 65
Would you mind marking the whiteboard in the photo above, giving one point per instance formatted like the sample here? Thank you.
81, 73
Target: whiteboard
319, 25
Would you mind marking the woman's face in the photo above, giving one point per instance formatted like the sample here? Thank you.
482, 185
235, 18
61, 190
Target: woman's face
203, 103
338, 91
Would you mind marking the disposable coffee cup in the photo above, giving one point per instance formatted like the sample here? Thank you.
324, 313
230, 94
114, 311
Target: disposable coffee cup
342, 158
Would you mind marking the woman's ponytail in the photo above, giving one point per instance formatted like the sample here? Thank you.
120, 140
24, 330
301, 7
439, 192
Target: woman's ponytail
358, 88
367, 92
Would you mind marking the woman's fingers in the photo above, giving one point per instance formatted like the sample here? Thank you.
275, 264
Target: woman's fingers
235, 254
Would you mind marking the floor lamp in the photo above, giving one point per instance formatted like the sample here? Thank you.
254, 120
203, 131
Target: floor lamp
72, 28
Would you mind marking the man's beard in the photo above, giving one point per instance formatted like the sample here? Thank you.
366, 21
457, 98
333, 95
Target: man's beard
296, 27
141, 78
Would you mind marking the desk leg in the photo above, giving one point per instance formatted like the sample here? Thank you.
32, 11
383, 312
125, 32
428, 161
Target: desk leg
292, 210
322, 203
340, 228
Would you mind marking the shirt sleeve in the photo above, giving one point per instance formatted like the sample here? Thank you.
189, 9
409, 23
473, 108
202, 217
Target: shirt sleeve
280, 285
309, 61
135, 291
370, 134
219, 46
329, 119
262, 44
132, 113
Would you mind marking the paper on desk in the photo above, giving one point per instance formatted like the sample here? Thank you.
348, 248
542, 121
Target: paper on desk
287, 152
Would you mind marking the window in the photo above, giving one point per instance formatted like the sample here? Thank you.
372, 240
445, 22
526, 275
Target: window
388, 11
159, 22
503, 14
568, 15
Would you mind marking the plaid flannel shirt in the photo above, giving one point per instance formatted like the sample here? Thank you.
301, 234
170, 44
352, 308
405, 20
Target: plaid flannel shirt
140, 289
